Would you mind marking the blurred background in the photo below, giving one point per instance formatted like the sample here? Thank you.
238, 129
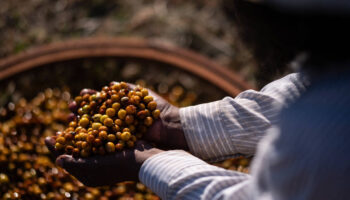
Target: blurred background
200, 25
34, 103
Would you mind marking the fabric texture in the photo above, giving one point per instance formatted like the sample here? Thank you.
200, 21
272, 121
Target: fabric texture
222, 129
298, 149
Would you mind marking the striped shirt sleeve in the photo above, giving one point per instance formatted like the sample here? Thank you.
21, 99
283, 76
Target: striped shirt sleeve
179, 175
219, 130
215, 131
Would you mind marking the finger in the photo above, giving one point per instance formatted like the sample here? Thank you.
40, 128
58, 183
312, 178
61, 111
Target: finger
87, 91
73, 106
143, 145
50, 143
132, 86
68, 163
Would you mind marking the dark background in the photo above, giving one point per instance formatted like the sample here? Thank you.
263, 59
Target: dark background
200, 25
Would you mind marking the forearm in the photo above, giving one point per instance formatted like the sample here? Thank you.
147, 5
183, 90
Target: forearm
218, 130
179, 175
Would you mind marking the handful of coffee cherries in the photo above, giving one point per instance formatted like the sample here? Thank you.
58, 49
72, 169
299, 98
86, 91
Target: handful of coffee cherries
107, 121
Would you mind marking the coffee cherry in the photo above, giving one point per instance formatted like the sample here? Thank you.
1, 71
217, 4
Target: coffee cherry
121, 114
110, 147
118, 122
125, 136
123, 85
115, 97
76, 152
119, 146
108, 122
147, 99
111, 137
129, 119
103, 117
130, 109
102, 135
148, 121
84, 122
72, 124
61, 140
110, 112
156, 113
96, 117
144, 92
152, 105
116, 106
59, 146
69, 149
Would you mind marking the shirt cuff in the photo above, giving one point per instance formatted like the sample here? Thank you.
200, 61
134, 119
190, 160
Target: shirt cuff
158, 171
205, 132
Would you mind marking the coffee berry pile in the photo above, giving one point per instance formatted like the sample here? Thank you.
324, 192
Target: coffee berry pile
107, 121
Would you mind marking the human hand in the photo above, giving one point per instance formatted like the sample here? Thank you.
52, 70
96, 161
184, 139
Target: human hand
107, 169
166, 132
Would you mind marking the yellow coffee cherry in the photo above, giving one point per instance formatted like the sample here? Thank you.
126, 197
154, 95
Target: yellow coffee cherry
110, 147
152, 105
72, 124
61, 140
125, 136
156, 114
59, 146
96, 117
147, 99
103, 117
108, 122
102, 135
96, 125
110, 112
144, 92
84, 122
130, 109
121, 114
111, 137
148, 121
116, 106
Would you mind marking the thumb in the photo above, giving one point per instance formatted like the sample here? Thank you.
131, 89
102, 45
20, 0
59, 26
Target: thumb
67, 162
50, 144
143, 145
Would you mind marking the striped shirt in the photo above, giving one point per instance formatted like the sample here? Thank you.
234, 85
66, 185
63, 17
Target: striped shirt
225, 128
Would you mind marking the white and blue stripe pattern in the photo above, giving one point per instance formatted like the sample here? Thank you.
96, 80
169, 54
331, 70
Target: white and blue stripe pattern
221, 129
216, 131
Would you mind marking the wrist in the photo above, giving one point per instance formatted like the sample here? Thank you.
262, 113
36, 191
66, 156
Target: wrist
175, 136
142, 156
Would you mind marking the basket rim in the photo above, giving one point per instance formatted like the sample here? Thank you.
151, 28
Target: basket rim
125, 47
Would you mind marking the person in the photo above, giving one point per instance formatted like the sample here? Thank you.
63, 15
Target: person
297, 127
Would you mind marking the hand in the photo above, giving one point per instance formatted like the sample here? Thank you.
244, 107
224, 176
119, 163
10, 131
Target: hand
166, 132
108, 169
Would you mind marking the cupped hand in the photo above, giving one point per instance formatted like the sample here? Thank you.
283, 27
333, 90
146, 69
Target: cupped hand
107, 169
166, 132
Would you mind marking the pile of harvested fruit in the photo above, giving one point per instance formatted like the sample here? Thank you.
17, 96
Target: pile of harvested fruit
27, 170
107, 121
26, 167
